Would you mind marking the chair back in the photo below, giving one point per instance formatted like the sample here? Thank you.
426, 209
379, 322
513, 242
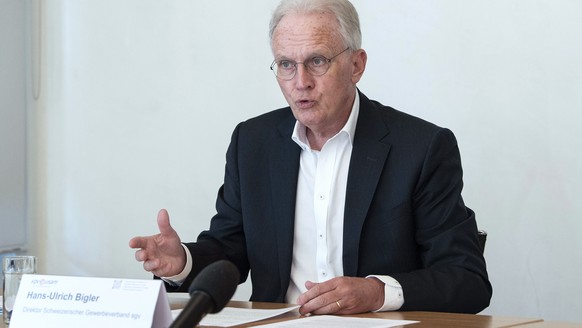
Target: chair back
482, 235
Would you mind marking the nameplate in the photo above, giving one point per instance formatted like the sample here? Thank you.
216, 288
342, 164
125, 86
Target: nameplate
64, 301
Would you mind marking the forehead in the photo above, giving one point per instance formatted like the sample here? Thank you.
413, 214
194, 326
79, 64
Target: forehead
306, 33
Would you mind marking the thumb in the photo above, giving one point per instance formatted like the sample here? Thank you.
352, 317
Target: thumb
309, 284
164, 222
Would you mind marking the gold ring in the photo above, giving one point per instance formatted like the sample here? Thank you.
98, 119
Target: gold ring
338, 305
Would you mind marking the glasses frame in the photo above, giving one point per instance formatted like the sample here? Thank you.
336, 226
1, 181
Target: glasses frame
291, 76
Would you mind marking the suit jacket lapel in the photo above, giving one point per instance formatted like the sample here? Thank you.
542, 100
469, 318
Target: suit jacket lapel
368, 157
284, 170
369, 154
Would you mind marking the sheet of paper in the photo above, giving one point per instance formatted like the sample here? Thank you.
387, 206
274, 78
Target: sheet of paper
230, 316
330, 321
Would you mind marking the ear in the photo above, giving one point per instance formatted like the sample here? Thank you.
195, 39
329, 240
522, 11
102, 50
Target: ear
359, 59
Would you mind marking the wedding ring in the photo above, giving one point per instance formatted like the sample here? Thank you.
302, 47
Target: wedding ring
338, 305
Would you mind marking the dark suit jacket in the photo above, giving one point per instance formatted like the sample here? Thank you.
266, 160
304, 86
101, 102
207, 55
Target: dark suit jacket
404, 215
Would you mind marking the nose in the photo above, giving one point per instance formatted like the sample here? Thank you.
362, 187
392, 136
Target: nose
304, 79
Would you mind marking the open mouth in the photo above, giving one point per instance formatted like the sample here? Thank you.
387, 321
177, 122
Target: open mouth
305, 104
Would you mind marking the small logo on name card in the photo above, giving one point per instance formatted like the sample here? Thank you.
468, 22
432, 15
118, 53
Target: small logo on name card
44, 282
117, 284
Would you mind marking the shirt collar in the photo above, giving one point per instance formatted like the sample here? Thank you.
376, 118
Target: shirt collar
300, 131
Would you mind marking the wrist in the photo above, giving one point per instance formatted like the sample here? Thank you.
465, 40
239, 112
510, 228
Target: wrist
180, 277
393, 294
379, 291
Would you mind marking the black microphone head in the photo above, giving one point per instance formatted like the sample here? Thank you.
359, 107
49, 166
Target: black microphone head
219, 280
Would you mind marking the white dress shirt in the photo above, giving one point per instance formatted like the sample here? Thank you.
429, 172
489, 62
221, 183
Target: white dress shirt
319, 212
319, 215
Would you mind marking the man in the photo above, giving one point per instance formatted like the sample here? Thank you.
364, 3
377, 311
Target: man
336, 203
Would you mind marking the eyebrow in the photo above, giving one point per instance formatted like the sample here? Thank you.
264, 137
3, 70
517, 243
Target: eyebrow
312, 55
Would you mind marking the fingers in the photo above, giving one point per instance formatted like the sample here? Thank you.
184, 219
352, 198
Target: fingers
151, 265
342, 295
138, 242
162, 254
322, 305
164, 226
309, 284
317, 289
141, 255
148, 248
320, 298
164, 223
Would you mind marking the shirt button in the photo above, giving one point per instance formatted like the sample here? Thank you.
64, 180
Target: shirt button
321, 197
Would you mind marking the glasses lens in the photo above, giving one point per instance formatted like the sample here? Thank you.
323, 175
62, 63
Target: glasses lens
318, 65
284, 70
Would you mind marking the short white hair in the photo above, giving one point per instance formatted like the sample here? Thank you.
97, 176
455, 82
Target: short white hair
342, 10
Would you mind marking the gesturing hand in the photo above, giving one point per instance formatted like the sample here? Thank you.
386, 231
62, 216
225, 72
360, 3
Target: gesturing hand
161, 254
342, 295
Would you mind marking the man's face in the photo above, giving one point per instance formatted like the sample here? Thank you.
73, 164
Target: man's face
322, 103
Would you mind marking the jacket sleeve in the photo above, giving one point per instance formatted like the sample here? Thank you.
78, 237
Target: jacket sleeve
453, 277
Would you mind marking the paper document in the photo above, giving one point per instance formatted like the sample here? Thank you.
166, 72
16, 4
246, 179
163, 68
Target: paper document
330, 321
230, 316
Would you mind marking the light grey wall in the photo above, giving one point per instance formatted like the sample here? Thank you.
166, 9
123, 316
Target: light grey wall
139, 99
13, 224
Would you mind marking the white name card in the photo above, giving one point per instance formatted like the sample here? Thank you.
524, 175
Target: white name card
63, 301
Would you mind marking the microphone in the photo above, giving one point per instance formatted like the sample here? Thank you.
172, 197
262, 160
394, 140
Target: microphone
209, 293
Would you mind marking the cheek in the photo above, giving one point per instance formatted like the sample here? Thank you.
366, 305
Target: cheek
287, 85
285, 88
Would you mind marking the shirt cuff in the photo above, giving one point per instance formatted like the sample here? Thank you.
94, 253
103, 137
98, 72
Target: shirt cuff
178, 279
393, 295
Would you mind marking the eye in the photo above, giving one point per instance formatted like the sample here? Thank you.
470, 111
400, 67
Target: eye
318, 61
286, 65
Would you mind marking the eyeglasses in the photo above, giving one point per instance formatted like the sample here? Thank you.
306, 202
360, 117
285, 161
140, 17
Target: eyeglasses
316, 66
